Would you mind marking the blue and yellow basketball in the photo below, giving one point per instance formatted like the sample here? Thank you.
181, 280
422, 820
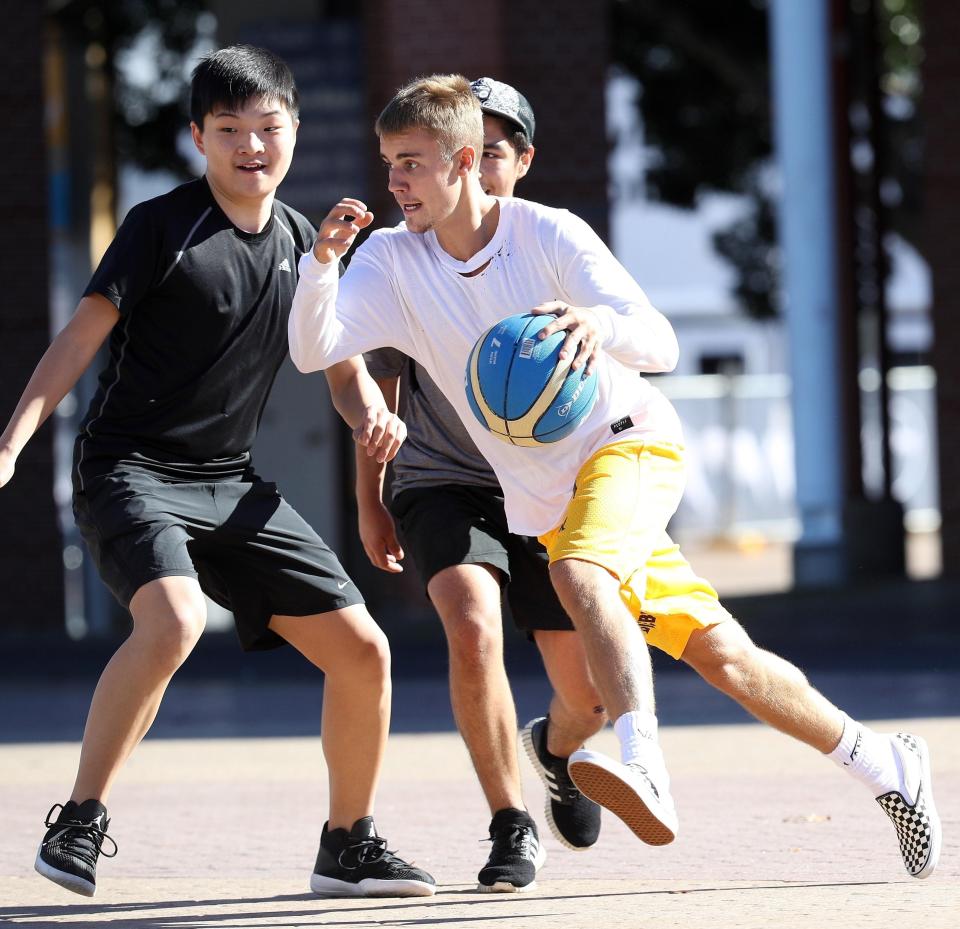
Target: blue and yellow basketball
520, 390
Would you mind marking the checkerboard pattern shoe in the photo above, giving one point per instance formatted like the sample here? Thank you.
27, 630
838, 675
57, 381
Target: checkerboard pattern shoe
357, 864
516, 855
915, 817
573, 819
629, 792
74, 841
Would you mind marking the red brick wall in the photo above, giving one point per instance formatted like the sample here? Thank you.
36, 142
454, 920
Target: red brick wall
941, 75
31, 566
557, 56
554, 53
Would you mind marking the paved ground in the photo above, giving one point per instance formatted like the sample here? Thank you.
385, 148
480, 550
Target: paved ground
219, 831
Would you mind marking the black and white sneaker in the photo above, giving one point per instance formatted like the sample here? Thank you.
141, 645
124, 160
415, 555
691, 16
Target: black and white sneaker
74, 841
573, 819
516, 855
632, 792
358, 864
914, 816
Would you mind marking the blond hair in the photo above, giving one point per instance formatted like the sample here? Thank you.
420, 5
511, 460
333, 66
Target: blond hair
443, 105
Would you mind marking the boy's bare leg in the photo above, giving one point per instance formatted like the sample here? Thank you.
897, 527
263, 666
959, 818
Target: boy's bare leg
765, 685
352, 651
614, 646
576, 708
576, 713
467, 598
896, 768
636, 788
168, 616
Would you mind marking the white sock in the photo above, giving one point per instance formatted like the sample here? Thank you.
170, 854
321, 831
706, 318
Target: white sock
637, 732
869, 757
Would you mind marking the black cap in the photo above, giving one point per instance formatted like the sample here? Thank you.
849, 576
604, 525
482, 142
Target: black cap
499, 99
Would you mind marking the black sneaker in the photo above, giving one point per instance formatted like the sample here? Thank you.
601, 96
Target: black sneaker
516, 855
573, 819
74, 841
357, 864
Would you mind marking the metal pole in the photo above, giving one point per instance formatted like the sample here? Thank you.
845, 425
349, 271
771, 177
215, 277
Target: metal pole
803, 133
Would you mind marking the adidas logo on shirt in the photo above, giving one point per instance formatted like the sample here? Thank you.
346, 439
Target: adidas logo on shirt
284, 266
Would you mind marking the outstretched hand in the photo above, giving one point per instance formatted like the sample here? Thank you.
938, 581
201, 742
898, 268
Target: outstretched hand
339, 228
584, 332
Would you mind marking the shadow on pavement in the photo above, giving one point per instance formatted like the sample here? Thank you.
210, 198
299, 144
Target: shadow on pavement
146, 915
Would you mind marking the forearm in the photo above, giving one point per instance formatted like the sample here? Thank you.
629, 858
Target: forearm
353, 391
633, 331
642, 338
371, 473
315, 334
54, 377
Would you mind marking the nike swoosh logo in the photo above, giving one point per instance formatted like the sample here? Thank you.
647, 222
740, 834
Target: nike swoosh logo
341, 586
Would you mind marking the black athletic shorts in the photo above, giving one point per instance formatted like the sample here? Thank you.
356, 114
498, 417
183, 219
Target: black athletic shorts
250, 550
451, 524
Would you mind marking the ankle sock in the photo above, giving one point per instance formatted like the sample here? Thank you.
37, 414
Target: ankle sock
637, 732
869, 757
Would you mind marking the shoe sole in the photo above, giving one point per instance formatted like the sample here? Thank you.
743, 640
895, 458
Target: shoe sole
526, 736
936, 831
505, 887
67, 881
369, 887
617, 796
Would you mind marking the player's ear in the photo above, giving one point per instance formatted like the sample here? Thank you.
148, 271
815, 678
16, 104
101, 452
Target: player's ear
525, 160
197, 134
466, 159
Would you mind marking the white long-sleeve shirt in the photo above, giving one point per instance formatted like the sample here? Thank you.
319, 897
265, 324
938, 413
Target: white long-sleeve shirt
403, 290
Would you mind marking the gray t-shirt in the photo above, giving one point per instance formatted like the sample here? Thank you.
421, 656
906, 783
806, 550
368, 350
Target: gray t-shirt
438, 449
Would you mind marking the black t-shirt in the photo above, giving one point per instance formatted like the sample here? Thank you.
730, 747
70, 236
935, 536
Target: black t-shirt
202, 333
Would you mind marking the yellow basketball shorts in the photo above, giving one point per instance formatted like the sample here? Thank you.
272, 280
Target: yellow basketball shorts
623, 498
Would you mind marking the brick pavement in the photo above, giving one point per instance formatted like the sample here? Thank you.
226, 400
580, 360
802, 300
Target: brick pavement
221, 833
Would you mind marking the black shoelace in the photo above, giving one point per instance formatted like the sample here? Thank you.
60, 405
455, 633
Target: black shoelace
365, 851
85, 839
516, 837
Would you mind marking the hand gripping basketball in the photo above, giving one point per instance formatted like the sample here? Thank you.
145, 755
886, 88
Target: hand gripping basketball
519, 387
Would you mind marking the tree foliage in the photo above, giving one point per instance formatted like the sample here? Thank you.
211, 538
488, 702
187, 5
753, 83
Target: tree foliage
703, 69
149, 48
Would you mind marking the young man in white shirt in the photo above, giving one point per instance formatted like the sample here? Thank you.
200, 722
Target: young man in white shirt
449, 513
600, 499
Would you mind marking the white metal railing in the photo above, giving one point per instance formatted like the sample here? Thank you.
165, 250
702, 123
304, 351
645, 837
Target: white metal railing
739, 435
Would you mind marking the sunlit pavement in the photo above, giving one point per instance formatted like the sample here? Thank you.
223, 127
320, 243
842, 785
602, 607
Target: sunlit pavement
222, 831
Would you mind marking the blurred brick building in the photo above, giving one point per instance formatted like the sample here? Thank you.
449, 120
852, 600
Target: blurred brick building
556, 53
31, 565
941, 213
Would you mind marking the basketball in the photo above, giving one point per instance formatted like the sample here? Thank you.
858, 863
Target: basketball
518, 387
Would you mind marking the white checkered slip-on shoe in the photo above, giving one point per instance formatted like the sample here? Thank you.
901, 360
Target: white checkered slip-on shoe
915, 817
627, 791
